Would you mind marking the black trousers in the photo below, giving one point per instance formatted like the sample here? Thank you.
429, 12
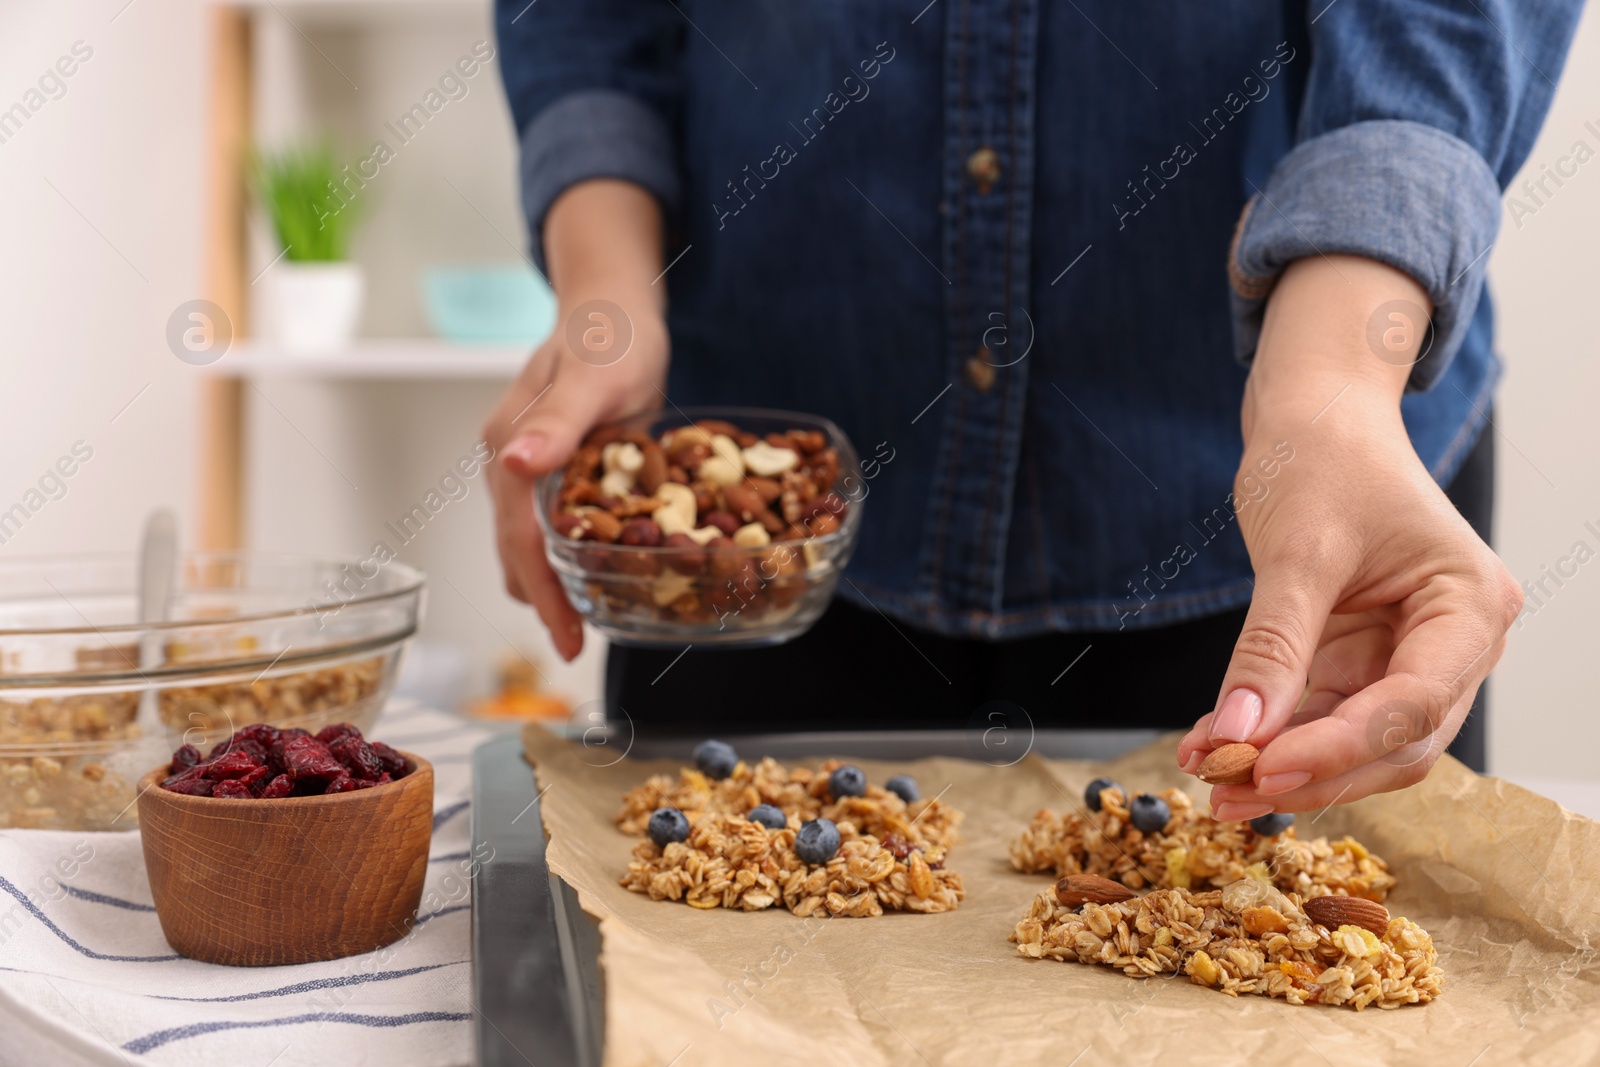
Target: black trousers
857, 670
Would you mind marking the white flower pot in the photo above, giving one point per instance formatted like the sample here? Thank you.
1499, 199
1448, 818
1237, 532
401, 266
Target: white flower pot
314, 307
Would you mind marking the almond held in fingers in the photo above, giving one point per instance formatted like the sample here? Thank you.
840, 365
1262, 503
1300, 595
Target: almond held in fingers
1229, 765
1334, 912
1076, 890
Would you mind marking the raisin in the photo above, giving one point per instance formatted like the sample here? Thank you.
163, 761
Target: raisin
357, 756
392, 761
232, 788
187, 756
278, 787
306, 757
329, 734
899, 846
235, 764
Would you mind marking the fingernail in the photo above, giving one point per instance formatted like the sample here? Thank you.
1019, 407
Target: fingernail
1240, 812
1238, 717
1192, 762
1272, 784
527, 449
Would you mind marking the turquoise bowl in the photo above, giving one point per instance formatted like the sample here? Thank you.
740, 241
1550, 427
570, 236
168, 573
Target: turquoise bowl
489, 305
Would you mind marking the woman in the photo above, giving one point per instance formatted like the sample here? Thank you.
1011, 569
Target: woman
1167, 327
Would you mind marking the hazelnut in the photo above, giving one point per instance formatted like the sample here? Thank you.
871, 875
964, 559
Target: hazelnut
639, 564
725, 521
724, 559
641, 533
690, 558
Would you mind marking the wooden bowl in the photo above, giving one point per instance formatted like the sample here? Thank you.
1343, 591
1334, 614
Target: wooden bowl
292, 880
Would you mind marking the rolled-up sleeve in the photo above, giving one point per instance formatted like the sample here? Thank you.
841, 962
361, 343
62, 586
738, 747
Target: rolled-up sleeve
594, 90
1416, 116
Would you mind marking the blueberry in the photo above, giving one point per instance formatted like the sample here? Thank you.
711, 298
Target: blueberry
905, 787
847, 781
668, 825
1091, 795
817, 840
769, 816
1272, 824
716, 759
1148, 813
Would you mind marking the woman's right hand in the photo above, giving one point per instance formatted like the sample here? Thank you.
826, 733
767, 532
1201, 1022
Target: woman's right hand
606, 358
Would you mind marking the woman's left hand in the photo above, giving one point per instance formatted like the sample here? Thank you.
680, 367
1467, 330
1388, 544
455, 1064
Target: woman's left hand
1377, 610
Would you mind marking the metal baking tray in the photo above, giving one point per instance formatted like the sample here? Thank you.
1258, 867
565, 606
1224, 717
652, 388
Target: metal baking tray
538, 993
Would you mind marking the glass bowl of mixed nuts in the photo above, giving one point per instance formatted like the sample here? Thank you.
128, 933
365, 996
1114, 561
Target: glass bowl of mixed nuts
90, 698
715, 526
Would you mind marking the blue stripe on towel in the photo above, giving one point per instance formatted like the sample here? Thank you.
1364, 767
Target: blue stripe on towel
441, 817
314, 985
100, 898
91, 953
141, 1045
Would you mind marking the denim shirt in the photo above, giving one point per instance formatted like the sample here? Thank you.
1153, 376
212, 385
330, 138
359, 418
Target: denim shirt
1020, 250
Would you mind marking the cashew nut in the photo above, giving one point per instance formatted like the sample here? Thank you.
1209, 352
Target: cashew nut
677, 511
622, 456
752, 536
720, 470
768, 460
616, 483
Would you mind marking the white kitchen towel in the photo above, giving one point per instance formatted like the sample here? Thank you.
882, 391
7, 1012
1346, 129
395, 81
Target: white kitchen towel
86, 976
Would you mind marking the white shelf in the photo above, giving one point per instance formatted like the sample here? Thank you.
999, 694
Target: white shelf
379, 358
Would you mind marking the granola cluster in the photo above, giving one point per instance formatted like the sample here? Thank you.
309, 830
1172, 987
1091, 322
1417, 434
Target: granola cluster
801, 794
1194, 850
729, 862
1245, 938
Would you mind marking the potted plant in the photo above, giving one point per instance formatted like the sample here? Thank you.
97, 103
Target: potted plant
314, 295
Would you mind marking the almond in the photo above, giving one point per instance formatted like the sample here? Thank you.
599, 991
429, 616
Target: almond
1228, 765
1334, 912
1076, 890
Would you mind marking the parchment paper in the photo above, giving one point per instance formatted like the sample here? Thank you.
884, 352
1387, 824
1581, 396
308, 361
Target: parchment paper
1507, 882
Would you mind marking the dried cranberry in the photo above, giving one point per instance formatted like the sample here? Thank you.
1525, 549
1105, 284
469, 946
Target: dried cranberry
237, 790
329, 734
392, 761
306, 757
348, 784
250, 778
233, 765
187, 756
190, 783
278, 787
383, 779
357, 756
261, 733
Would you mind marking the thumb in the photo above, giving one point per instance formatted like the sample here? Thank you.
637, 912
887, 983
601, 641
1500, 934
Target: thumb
549, 432
1272, 658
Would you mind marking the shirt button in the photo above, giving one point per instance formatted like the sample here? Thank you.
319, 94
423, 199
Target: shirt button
980, 372
983, 167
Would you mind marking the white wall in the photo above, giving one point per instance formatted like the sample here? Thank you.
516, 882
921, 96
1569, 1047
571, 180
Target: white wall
1546, 276
81, 331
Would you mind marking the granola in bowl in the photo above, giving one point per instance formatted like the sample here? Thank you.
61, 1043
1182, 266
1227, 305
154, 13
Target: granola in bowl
1193, 851
728, 861
1245, 938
